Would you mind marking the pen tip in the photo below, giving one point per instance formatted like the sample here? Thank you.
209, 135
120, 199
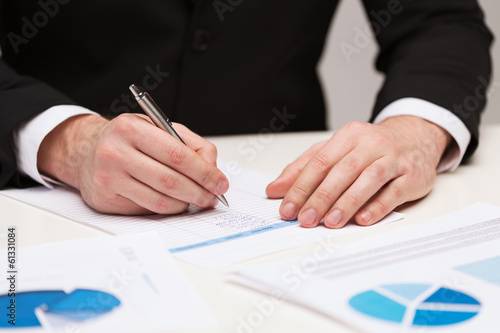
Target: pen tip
223, 200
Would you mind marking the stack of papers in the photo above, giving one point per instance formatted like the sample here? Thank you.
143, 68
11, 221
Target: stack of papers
441, 275
104, 284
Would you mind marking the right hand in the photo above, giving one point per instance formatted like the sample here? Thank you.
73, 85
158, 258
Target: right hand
129, 166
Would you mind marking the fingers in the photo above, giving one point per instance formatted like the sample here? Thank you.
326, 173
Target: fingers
371, 180
279, 187
363, 171
414, 183
202, 147
131, 197
383, 203
314, 173
167, 150
168, 181
136, 168
147, 198
347, 187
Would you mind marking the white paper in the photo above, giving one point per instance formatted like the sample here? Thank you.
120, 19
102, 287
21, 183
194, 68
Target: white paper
396, 274
136, 270
213, 238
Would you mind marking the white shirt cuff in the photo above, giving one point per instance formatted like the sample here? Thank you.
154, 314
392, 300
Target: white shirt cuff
29, 136
439, 116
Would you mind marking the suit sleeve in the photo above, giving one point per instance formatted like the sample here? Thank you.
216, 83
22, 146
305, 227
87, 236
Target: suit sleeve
21, 98
437, 51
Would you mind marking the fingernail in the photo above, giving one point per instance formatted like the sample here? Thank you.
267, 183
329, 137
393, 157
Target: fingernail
289, 211
221, 188
366, 216
308, 218
334, 218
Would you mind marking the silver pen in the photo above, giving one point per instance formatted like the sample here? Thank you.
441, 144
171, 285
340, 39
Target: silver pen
160, 119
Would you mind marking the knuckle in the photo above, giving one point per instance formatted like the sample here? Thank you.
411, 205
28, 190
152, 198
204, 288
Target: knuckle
350, 164
416, 174
293, 169
351, 198
176, 154
212, 149
382, 139
165, 205
106, 152
395, 191
102, 179
162, 206
324, 195
320, 162
378, 172
356, 126
300, 192
122, 125
406, 168
168, 182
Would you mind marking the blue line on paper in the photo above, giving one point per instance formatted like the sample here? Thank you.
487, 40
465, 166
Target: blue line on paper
235, 236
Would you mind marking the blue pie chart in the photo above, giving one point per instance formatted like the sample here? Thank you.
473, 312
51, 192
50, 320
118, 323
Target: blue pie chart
79, 305
433, 307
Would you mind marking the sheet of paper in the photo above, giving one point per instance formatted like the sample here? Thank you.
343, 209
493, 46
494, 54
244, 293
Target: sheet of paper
442, 275
105, 284
213, 238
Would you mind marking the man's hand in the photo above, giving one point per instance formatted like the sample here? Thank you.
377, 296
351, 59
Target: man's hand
364, 171
129, 166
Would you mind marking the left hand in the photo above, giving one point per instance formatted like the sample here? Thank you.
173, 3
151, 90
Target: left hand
364, 171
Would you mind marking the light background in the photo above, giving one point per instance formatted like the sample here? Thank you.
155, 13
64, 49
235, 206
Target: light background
350, 87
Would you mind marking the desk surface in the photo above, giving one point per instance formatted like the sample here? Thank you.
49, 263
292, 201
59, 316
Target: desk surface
270, 153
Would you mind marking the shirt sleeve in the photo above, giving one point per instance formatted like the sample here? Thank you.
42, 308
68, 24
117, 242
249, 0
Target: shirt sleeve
439, 116
436, 51
30, 134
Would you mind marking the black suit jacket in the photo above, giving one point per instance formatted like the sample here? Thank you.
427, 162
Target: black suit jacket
226, 66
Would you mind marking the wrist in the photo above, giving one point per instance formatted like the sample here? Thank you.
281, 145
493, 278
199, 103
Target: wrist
433, 137
63, 150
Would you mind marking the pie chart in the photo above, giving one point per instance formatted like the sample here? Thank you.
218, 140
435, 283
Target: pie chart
416, 304
79, 305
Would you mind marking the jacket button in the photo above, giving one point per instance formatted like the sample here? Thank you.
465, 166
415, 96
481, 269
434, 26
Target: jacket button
201, 40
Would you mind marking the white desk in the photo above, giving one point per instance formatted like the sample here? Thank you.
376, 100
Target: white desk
477, 181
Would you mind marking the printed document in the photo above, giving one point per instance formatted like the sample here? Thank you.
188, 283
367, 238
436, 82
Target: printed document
210, 238
442, 275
